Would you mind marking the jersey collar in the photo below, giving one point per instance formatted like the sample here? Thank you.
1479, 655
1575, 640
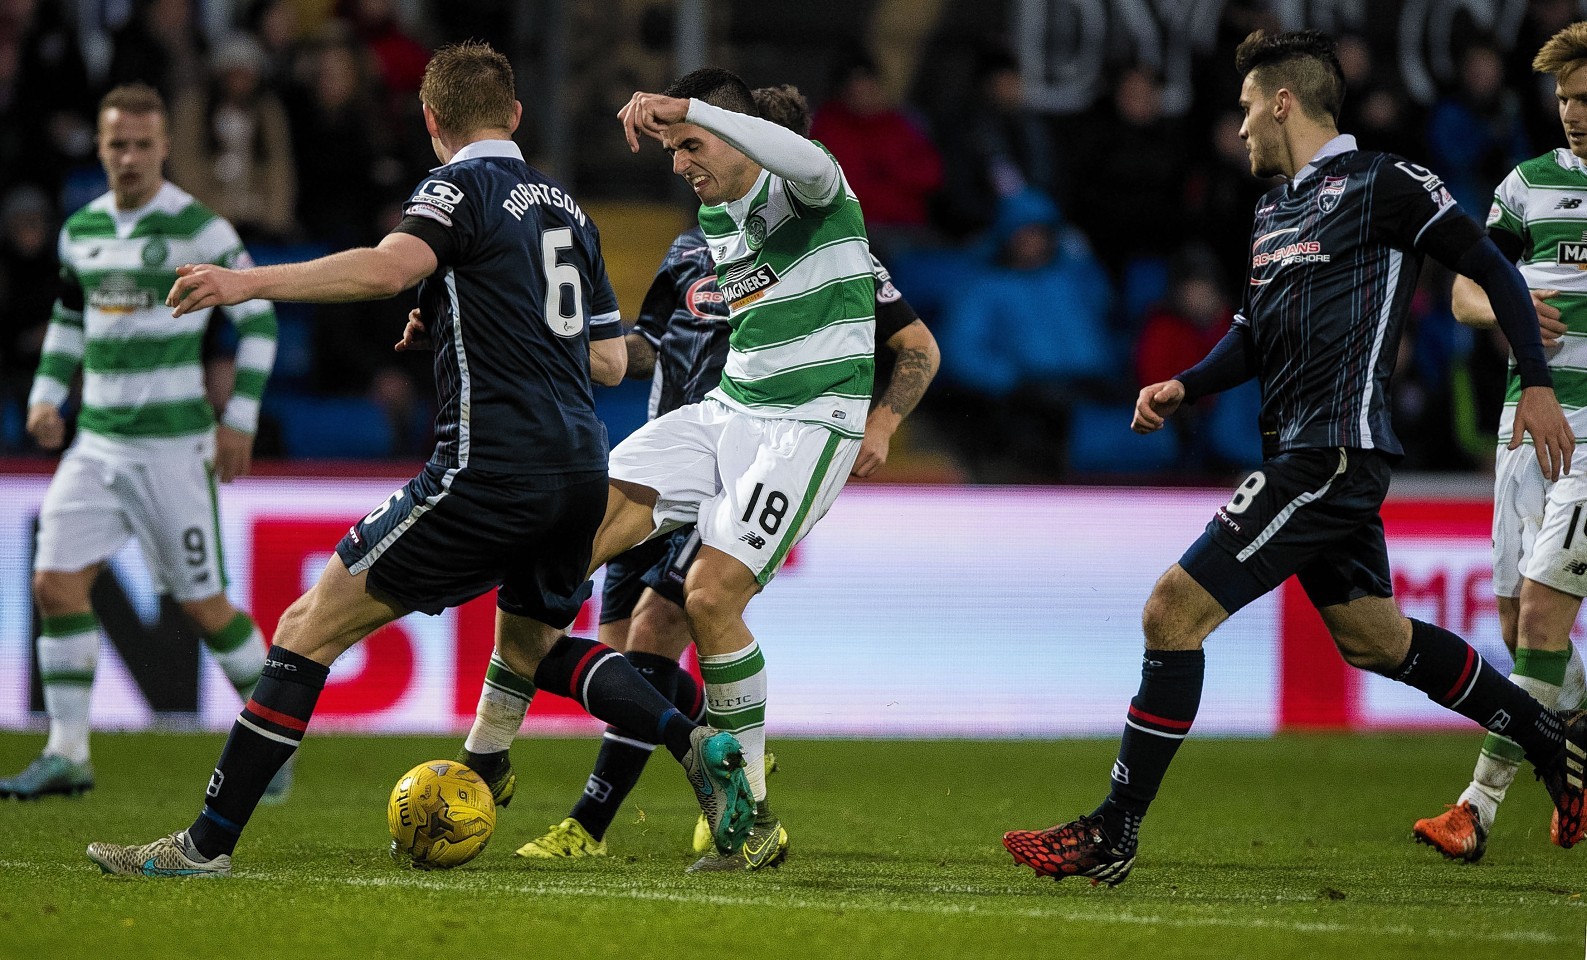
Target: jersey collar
484, 148
1344, 143
1568, 160
169, 198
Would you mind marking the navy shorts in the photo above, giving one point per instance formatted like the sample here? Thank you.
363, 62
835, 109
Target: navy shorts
660, 564
436, 544
1310, 513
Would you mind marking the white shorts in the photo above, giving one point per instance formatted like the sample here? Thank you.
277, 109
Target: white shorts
754, 485
95, 503
1539, 528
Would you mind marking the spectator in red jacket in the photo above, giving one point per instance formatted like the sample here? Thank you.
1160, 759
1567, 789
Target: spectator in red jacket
1188, 322
890, 162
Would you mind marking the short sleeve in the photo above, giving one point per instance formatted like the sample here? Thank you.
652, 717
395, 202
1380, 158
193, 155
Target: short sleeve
1507, 216
606, 321
1407, 198
893, 312
442, 214
70, 292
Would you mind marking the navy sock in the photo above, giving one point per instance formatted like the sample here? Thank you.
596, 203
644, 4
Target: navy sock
1444, 667
690, 697
266, 733
609, 687
623, 757
1158, 720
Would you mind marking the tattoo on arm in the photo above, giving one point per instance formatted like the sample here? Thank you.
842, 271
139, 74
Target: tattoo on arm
912, 373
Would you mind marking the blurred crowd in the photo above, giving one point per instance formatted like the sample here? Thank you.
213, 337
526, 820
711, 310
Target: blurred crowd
1062, 259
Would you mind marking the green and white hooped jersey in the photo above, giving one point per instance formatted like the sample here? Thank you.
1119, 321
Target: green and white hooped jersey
798, 283
143, 373
1543, 203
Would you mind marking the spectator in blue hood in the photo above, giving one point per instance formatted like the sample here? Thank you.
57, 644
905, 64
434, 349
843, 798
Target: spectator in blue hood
1026, 335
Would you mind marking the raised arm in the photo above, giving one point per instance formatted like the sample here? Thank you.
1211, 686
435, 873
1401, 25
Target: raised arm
809, 168
813, 173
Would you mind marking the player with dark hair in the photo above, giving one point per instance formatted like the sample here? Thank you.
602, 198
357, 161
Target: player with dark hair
680, 342
1539, 546
511, 273
1334, 258
762, 458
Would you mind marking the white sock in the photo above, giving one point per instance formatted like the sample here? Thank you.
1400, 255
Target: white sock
1573, 695
239, 648
68, 653
503, 702
735, 701
1501, 757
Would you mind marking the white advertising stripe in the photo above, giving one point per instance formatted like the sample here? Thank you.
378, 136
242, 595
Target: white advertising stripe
908, 612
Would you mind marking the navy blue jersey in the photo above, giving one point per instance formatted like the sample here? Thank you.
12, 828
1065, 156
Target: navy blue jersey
686, 320
520, 292
1334, 262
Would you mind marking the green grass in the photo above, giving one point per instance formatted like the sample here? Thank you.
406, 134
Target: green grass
1293, 847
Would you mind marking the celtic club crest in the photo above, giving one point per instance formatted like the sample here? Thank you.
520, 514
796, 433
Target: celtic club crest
155, 252
755, 232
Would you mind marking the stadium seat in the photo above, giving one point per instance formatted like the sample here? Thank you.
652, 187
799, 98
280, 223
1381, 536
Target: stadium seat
623, 408
1100, 441
1145, 283
330, 427
1231, 432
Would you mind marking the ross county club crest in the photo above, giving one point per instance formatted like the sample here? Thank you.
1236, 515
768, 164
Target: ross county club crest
755, 232
155, 252
1328, 195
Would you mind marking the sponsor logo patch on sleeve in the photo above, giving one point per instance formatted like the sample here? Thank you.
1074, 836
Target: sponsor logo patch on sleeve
418, 209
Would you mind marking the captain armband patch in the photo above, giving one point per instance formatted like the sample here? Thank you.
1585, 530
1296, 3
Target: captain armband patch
422, 209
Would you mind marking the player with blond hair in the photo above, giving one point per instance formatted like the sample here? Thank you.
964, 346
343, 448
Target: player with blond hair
149, 447
1539, 221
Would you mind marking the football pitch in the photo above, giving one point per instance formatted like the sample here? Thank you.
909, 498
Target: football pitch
1292, 847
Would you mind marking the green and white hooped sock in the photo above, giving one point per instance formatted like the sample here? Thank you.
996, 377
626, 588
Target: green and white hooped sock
68, 653
239, 648
1541, 674
503, 702
735, 701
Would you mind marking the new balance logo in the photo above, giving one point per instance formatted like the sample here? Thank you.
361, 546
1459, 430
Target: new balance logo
1121, 773
597, 789
1499, 722
1576, 567
754, 539
215, 780
1568, 203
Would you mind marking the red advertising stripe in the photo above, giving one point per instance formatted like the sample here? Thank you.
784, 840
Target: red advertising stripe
1318, 690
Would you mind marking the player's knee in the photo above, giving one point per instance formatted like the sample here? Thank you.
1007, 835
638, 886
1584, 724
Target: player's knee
1366, 650
58, 594
711, 603
1171, 618
211, 614
522, 652
292, 630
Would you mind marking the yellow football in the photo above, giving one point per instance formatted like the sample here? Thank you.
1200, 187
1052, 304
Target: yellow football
441, 815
